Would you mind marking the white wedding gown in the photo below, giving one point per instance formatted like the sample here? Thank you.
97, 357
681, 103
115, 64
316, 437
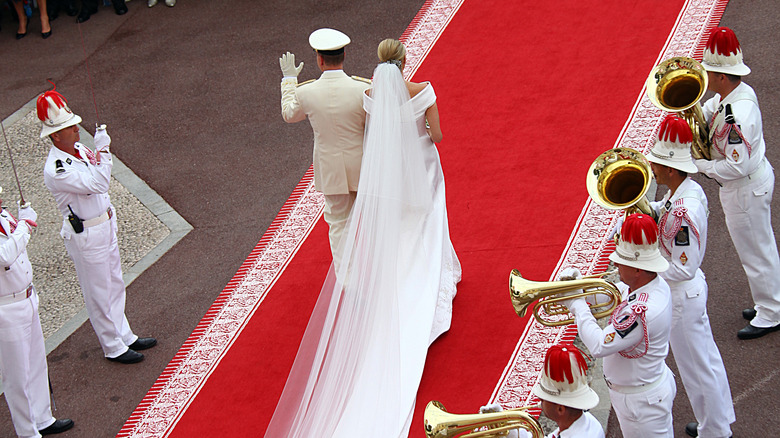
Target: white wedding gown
361, 359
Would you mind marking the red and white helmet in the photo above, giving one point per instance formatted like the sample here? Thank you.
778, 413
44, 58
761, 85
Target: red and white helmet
723, 53
673, 147
637, 245
54, 113
564, 378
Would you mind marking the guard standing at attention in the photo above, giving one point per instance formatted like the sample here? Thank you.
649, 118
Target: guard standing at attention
22, 351
79, 179
682, 232
746, 177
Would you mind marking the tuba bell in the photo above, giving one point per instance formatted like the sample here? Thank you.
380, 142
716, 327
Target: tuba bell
676, 85
619, 179
441, 424
550, 294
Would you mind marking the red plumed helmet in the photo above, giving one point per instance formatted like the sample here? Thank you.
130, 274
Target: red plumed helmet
637, 245
564, 378
723, 53
53, 112
675, 129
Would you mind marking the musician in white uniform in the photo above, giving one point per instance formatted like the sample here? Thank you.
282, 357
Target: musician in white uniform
746, 177
334, 105
565, 394
79, 179
22, 351
682, 227
635, 343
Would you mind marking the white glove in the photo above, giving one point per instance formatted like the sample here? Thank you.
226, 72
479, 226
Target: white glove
569, 274
703, 165
287, 63
617, 228
28, 215
495, 407
102, 140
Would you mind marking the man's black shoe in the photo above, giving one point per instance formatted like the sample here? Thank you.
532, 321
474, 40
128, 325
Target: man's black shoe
83, 16
129, 356
119, 7
692, 429
58, 426
143, 344
752, 332
749, 314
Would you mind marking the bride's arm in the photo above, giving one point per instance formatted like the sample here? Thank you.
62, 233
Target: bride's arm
434, 127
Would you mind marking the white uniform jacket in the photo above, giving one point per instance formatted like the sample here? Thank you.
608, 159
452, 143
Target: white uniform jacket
15, 269
683, 231
76, 182
736, 153
609, 343
334, 105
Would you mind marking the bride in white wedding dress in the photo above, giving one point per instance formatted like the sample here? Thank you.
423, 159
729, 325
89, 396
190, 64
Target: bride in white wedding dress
362, 356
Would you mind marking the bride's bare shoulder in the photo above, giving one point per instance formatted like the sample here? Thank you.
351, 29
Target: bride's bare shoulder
416, 87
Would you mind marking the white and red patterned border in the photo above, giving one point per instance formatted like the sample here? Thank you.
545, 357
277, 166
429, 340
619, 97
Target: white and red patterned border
588, 246
180, 382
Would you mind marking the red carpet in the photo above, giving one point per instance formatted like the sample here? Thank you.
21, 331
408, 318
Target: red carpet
529, 95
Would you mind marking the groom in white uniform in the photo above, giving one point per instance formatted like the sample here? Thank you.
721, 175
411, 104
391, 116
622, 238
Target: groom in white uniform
334, 105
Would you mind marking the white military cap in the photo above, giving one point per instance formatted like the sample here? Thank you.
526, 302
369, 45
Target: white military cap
673, 148
637, 245
54, 114
564, 380
328, 40
723, 53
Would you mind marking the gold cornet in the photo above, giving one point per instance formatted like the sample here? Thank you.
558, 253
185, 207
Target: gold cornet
524, 292
441, 424
618, 179
676, 85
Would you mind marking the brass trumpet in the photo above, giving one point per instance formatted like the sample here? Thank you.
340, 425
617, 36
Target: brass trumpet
677, 85
441, 424
524, 292
618, 179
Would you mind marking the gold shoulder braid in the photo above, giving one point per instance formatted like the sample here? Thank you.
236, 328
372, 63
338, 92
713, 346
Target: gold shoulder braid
358, 78
305, 82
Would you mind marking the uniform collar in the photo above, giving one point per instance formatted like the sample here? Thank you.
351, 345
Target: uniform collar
59, 153
333, 74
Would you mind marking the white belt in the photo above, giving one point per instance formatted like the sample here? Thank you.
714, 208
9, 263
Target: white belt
18, 296
98, 220
757, 175
625, 389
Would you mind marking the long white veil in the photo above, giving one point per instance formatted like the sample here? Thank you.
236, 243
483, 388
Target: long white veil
346, 378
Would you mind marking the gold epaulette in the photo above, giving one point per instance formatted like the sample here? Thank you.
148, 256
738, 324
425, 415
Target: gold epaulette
358, 78
305, 82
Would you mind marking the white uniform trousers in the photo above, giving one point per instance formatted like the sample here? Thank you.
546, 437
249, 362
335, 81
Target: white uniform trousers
648, 413
23, 366
95, 254
749, 220
698, 359
336, 213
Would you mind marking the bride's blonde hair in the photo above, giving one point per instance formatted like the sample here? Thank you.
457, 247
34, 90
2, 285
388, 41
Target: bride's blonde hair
391, 50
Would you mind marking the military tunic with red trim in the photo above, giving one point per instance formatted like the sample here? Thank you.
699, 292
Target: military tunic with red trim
737, 135
635, 343
682, 227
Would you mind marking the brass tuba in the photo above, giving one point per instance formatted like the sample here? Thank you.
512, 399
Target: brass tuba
677, 85
619, 179
524, 292
441, 424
